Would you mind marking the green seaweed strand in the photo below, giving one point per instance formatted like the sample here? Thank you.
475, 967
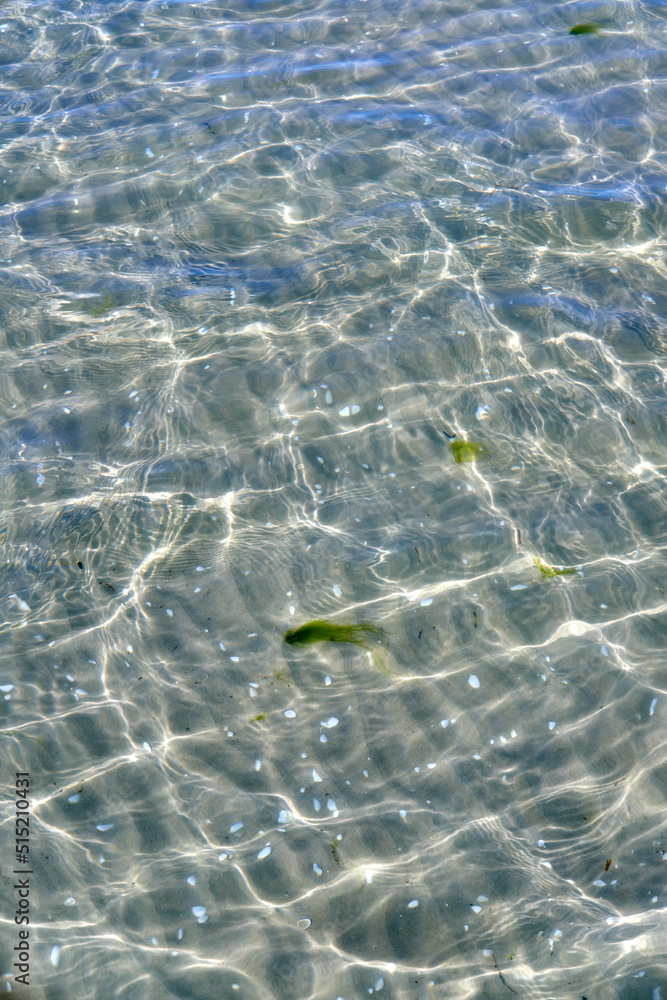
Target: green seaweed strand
585, 29
550, 571
466, 451
320, 630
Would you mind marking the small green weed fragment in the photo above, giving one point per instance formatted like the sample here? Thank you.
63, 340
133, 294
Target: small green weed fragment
467, 451
550, 571
589, 28
108, 304
324, 631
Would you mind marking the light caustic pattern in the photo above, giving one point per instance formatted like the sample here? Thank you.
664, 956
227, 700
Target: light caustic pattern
353, 315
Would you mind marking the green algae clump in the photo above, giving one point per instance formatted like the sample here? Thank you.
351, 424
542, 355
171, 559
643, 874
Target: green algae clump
324, 631
467, 451
585, 29
109, 302
550, 571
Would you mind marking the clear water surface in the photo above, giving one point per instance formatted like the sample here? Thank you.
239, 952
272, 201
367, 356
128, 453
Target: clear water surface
263, 263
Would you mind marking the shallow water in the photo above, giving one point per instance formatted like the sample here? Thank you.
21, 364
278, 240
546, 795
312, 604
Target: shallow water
262, 264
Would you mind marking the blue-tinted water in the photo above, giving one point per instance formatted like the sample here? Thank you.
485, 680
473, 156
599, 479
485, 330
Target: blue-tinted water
266, 268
